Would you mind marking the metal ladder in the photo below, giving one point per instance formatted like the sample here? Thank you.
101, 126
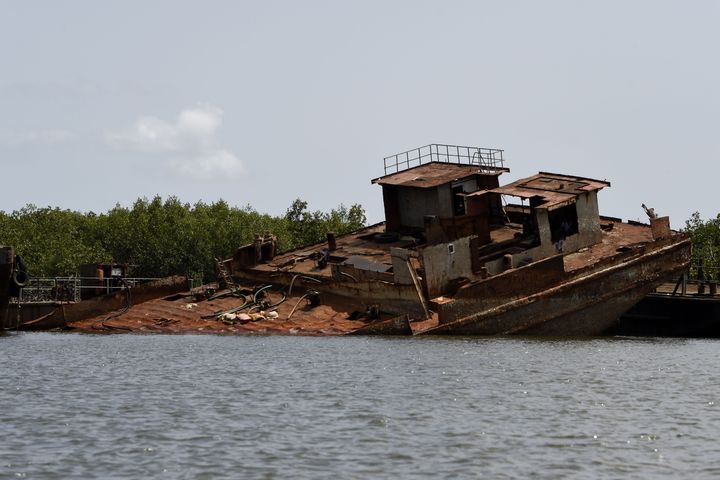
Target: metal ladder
225, 277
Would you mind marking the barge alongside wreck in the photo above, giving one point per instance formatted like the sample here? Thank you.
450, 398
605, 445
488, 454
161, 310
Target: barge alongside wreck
687, 308
452, 257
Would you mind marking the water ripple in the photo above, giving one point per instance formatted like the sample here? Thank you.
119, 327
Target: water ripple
290, 407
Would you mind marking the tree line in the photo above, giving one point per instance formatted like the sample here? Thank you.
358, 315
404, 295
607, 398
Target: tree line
160, 237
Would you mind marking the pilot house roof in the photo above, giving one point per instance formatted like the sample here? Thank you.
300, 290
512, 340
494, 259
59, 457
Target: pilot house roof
430, 175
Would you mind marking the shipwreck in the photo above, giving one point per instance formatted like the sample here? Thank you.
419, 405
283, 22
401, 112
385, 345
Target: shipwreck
460, 254
457, 254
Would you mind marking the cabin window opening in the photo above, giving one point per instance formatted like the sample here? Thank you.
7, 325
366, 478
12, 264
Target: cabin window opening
531, 231
451, 249
458, 201
563, 222
495, 207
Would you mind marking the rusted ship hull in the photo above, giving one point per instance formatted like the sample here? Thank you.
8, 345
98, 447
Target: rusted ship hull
49, 321
590, 303
585, 302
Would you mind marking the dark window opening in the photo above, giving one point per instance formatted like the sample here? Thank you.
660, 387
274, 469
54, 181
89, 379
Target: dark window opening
563, 222
531, 231
458, 201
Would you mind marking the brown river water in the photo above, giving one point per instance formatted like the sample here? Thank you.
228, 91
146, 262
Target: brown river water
207, 407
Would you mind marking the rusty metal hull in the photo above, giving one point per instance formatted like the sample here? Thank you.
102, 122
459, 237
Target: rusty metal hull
48, 321
588, 304
399, 325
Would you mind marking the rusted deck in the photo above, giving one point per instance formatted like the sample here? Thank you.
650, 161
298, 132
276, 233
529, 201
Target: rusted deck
621, 236
184, 314
361, 244
357, 244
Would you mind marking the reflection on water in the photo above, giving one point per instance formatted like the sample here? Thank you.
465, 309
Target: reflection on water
127, 406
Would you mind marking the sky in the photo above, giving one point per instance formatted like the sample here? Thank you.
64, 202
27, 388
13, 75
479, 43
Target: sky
260, 103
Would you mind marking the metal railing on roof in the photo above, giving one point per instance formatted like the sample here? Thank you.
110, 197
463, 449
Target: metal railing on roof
69, 289
490, 158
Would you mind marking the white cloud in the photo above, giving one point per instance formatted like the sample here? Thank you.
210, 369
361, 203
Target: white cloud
45, 137
221, 163
190, 144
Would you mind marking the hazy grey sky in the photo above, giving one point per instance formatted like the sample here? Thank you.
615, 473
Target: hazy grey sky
263, 102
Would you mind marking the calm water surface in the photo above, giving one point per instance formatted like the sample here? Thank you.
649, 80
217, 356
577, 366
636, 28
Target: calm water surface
127, 406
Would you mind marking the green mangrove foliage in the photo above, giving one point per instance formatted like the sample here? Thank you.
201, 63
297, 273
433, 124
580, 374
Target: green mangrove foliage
160, 237
705, 236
